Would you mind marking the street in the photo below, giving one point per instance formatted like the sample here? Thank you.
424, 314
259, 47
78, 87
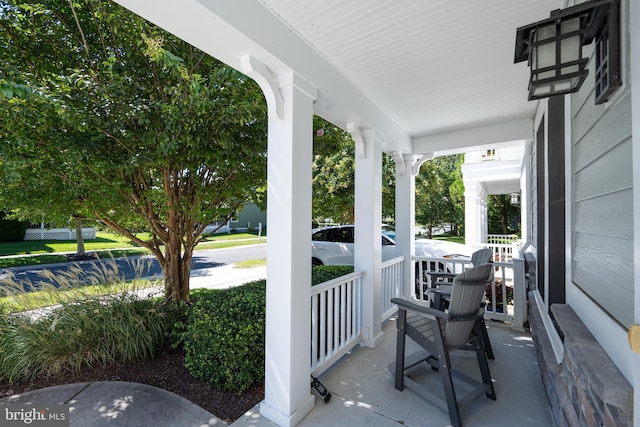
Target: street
204, 263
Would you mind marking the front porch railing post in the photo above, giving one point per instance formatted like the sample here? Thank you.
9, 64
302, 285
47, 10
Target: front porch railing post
287, 397
368, 220
519, 295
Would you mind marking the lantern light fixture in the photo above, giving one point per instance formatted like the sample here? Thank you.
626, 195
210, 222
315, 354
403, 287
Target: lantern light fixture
553, 48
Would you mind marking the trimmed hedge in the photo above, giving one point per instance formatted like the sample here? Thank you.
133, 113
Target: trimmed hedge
12, 230
324, 273
223, 337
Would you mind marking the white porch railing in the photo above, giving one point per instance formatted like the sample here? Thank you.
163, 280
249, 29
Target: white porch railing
505, 296
502, 252
502, 238
336, 320
392, 273
336, 313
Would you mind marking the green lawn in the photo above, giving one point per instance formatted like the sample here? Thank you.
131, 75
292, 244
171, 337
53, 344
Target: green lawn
101, 242
47, 251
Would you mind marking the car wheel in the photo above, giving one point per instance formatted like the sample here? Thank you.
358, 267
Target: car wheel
315, 261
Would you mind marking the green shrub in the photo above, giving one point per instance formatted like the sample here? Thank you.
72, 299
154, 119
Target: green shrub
12, 230
223, 337
96, 331
324, 273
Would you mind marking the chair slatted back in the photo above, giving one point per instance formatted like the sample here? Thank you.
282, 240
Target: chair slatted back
481, 256
466, 297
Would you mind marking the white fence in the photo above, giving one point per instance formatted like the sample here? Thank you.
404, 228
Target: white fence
502, 252
337, 305
502, 238
336, 313
392, 273
58, 233
336, 320
505, 295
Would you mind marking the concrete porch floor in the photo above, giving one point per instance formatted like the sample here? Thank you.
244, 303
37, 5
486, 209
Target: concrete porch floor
363, 392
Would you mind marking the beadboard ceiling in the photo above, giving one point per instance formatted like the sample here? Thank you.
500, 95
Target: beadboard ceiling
433, 66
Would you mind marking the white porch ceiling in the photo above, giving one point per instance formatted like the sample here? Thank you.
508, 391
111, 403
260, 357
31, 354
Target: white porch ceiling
429, 75
433, 66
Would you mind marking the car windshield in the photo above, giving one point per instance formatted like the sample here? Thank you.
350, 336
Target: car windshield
389, 230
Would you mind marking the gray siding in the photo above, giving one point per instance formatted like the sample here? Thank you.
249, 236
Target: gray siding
602, 211
250, 216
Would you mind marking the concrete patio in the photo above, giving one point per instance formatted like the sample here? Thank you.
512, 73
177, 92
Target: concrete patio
363, 392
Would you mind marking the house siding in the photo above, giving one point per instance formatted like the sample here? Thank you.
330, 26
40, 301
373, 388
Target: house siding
602, 222
590, 383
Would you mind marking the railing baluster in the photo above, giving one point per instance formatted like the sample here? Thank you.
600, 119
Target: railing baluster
314, 331
343, 317
323, 326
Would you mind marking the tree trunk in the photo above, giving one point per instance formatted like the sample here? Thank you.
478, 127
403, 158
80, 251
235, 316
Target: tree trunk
177, 269
79, 236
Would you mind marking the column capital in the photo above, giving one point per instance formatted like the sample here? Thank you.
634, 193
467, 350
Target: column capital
365, 138
272, 85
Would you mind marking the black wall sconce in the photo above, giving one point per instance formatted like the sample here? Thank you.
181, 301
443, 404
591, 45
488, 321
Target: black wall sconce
553, 48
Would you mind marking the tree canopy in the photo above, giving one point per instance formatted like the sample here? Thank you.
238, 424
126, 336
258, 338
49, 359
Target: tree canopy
440, 193
105, 116
334, 175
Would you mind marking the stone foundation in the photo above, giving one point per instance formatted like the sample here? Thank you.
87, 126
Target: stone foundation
586, 389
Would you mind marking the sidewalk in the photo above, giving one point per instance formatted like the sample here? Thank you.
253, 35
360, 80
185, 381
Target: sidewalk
225, 276
112, 403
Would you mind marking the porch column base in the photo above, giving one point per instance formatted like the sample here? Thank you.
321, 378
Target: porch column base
373, 342
287, 420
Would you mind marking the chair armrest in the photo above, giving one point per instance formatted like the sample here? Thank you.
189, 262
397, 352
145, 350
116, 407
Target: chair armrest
442, 292
444, 274
428, 311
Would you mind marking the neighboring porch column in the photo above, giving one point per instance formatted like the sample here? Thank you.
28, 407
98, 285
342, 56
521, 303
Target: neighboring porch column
288, 338
405, 218
368, 232
475, 213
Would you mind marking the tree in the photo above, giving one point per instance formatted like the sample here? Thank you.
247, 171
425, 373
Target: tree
437, 200
503, 217
108, 117
334, 178
333, 173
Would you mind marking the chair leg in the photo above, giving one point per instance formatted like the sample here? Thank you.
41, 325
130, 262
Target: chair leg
485, 339
447, 381
400, 348
481, 355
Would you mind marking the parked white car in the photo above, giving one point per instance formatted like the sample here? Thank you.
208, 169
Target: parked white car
334, 246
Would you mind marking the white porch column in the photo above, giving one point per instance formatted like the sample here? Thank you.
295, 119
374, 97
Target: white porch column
368, 222
405, 218
290, 147
475, 213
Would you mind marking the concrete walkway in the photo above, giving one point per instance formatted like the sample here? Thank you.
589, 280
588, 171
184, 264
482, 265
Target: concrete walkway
363, 392
114, 403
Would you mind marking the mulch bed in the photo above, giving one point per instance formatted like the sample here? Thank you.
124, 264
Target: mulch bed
167, 372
